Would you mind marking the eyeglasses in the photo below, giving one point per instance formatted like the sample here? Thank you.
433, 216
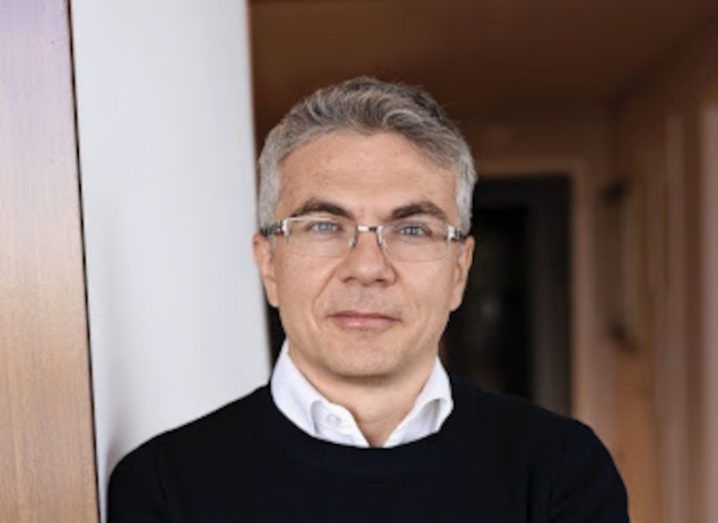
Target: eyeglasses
411, 239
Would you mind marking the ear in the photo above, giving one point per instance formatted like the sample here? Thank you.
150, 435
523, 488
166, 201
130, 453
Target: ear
263, 257
461, 271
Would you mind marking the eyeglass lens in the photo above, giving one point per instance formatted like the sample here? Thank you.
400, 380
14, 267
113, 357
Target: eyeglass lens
412, 239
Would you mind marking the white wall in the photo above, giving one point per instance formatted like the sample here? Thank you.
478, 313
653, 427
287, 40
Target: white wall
167, 170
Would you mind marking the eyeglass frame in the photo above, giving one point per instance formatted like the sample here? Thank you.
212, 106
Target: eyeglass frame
282, 227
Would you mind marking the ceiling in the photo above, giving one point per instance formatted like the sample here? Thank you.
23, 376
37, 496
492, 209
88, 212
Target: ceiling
476, 57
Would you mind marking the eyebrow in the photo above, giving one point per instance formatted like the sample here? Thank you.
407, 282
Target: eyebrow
421, 207
315, 205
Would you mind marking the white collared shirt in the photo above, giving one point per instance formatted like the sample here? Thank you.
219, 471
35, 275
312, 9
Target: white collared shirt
309, 410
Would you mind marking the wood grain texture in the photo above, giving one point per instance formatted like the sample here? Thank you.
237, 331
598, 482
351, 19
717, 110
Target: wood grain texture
47, 469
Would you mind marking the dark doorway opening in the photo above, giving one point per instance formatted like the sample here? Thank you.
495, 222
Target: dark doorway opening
512, 332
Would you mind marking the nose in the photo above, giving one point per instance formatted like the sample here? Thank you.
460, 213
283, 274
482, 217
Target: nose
366, 262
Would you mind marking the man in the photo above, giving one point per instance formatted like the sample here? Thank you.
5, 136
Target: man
365, 208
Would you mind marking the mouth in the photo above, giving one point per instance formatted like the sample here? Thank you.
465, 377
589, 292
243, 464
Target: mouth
363, 320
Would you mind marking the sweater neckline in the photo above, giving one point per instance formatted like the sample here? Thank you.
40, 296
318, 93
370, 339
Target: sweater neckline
427, 451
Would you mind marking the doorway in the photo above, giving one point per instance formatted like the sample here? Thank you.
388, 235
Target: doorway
512, 333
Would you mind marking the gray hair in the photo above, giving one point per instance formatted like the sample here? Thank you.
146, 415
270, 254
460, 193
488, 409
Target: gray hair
367, 105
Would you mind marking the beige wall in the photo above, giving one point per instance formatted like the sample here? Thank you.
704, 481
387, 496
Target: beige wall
660, 141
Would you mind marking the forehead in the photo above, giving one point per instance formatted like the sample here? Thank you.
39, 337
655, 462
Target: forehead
367, 174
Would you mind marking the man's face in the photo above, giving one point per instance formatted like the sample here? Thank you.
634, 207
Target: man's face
362, 316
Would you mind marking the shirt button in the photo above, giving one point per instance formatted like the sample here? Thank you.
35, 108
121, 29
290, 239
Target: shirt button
333, 420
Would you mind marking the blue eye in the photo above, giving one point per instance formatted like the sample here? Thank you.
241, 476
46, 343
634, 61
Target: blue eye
323, 227
414, 230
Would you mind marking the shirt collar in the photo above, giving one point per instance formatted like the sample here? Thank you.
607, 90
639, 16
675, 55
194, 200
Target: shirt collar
437, 389
301, 402
292, 392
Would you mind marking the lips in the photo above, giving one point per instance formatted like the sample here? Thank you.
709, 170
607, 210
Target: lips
363, 320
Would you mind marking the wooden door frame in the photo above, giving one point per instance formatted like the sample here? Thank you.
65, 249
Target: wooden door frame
591, 397
47, 459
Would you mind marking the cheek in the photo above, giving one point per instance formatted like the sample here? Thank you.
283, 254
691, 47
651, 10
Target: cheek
299, 282
431, 291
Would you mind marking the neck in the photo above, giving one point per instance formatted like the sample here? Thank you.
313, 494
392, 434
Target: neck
377, 404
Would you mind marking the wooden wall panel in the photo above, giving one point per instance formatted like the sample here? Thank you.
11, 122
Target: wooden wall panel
665, 143
47, 469
709, 299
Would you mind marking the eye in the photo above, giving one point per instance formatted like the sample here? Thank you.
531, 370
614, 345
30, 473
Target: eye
413, 230
323, 227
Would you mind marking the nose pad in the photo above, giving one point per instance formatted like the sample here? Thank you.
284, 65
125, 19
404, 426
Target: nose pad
382, 243
380, 239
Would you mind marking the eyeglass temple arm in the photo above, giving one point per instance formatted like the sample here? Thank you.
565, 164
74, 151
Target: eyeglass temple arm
273, 229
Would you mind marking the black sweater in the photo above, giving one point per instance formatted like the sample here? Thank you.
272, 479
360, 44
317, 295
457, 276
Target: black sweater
495, 460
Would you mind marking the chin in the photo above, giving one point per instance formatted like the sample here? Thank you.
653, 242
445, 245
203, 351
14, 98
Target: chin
363, 361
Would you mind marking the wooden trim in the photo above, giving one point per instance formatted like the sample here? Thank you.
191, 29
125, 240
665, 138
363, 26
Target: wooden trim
709, 305
671, 332
47, 464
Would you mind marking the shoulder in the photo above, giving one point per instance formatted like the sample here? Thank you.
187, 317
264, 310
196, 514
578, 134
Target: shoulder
565, 456
507, 414
232, 426
525, 433
149, 482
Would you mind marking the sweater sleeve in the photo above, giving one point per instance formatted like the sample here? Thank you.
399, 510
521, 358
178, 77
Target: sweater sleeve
588, 488
135, 493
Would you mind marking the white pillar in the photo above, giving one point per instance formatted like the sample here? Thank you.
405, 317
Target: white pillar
168, 189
